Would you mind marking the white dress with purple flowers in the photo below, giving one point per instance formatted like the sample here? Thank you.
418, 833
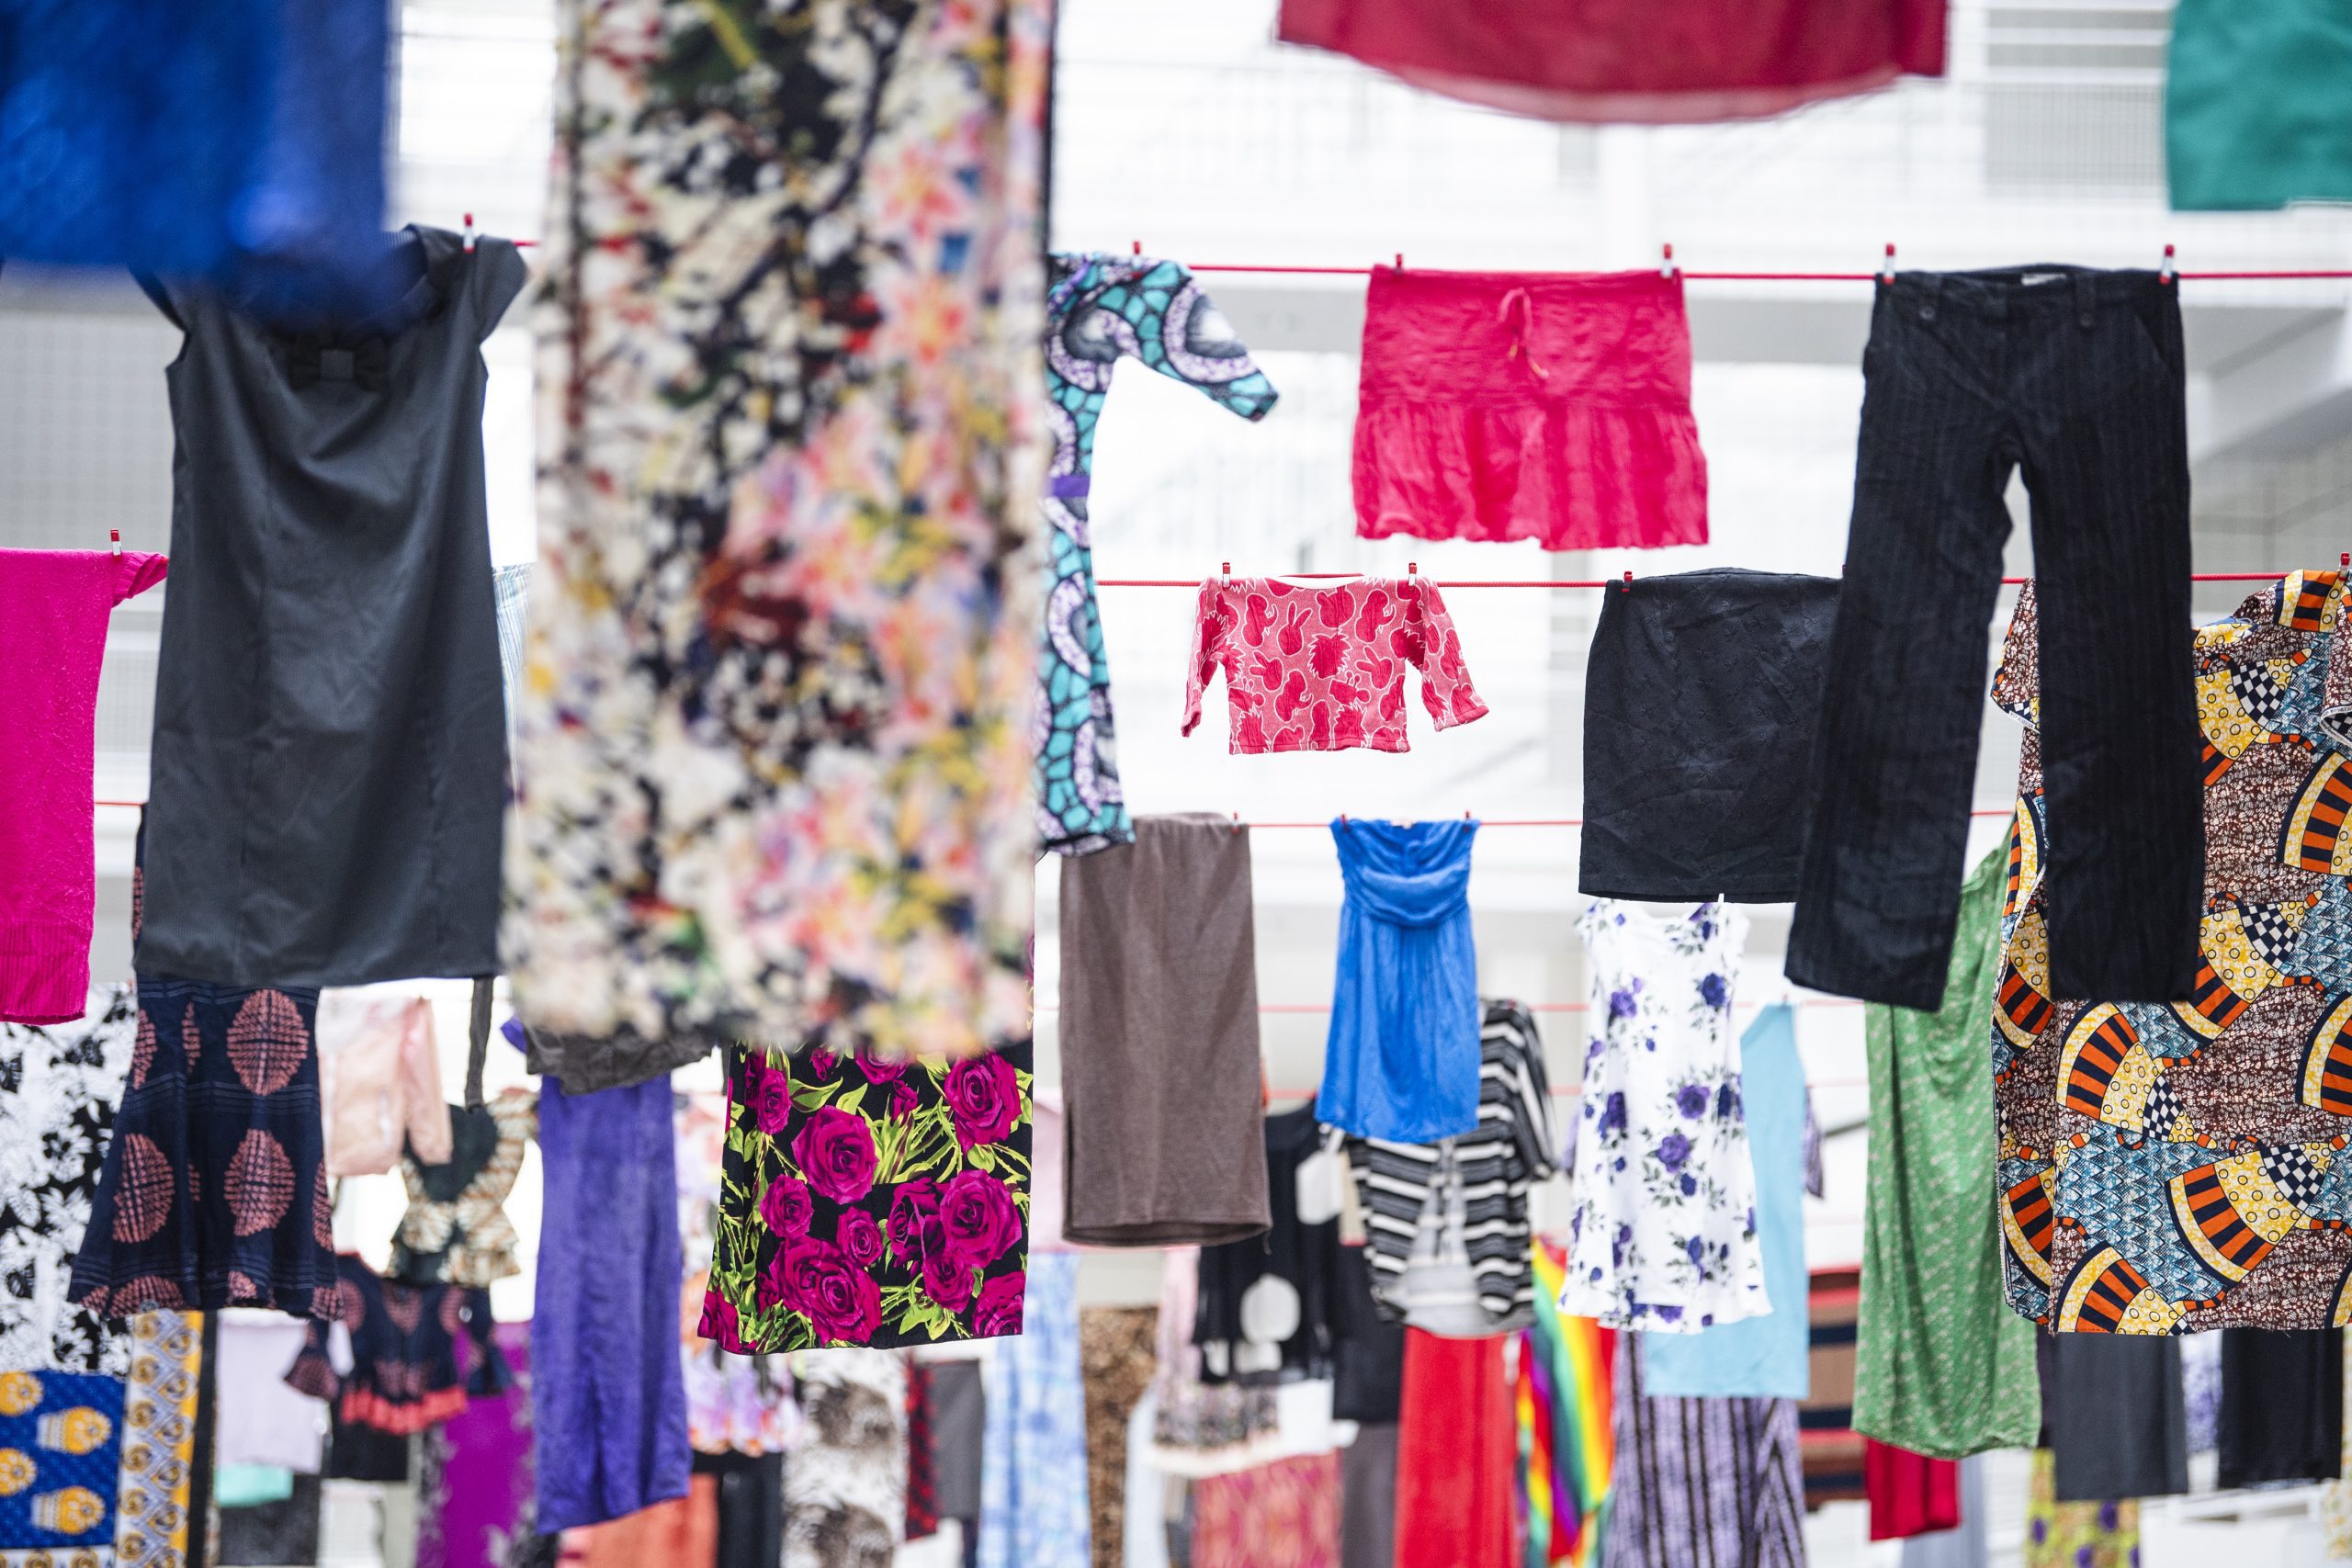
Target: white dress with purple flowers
1663, 1234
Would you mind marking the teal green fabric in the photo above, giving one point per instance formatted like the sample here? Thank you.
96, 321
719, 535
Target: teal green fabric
2258, 104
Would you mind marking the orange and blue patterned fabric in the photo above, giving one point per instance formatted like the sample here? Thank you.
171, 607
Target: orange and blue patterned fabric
2172, 1166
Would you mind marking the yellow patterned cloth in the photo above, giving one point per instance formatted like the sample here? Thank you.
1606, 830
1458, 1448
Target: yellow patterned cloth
2076, 1535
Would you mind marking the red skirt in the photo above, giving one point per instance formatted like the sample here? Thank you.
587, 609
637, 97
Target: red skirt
1650, 61
1527, 405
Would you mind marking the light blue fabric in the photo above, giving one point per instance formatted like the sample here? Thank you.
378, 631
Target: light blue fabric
1756, 1358
1033, 1455
1402, 1060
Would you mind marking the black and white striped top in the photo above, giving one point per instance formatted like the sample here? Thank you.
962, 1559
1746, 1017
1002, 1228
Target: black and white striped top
1510, 1152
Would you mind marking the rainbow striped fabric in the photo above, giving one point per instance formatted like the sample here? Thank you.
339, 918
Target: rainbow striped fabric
1566, 1446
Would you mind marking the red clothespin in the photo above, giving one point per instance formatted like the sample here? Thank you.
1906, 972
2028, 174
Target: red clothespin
1139, 246
2345, 557
1400, 261
1629, 582
1413, 568
469, 233
1236, 821
114, 537
1225, 569
1886, 272
2165, 274
1666, 267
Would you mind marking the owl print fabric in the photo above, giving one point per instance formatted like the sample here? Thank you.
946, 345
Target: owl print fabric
214, 1191
58, 1087
773, 738
2167, 1167
1100, 309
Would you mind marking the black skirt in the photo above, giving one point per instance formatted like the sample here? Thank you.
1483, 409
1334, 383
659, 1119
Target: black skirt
1701, 696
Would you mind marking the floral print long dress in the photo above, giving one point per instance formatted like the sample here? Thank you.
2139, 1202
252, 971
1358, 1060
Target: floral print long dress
866, 1201
1663, 1234
1102, 308
773, 735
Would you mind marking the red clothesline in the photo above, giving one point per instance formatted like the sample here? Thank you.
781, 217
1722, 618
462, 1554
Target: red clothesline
1767, 277
1487, 822
1414, 569
1293, 1092
1532, 1007
1886, 272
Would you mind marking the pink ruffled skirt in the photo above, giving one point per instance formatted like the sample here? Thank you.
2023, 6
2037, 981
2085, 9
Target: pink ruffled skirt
1551, 406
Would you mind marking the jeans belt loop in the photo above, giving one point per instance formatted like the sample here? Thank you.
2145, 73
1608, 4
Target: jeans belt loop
2086, 298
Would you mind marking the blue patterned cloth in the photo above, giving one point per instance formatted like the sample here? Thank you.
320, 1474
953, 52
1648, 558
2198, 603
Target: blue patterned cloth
60, 1461
608, 1393
1033, 1459
231, 140
1101, 309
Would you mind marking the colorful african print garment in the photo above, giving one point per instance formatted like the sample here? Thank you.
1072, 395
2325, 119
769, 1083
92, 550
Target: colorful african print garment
1100, 309
773, 735
1663, 1235
215, 1189
2171, 1166
871, 1203
56, 1117
158, 1440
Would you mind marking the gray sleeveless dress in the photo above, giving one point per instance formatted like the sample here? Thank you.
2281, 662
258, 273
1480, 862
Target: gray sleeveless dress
330, 744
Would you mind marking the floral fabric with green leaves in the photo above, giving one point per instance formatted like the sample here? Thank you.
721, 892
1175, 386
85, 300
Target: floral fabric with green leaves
871, 1201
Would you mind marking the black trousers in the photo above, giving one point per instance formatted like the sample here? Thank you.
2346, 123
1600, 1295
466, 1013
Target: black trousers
2282, 1405
2077, 377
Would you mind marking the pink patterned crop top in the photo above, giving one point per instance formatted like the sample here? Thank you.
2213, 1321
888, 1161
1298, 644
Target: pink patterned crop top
1322, 669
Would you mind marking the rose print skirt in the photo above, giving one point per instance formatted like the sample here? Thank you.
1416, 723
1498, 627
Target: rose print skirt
214, 1192
871, 1203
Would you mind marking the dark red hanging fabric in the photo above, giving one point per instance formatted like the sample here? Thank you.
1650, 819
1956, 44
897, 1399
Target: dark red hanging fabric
1910, 1493
1655, 61
1456, 1445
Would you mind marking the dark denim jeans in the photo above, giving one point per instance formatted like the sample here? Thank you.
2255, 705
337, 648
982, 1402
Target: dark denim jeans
2075, 375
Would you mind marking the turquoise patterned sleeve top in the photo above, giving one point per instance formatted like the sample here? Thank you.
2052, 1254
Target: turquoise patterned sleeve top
1103, 308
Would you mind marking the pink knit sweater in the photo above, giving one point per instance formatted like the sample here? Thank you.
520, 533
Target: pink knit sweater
53, 608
